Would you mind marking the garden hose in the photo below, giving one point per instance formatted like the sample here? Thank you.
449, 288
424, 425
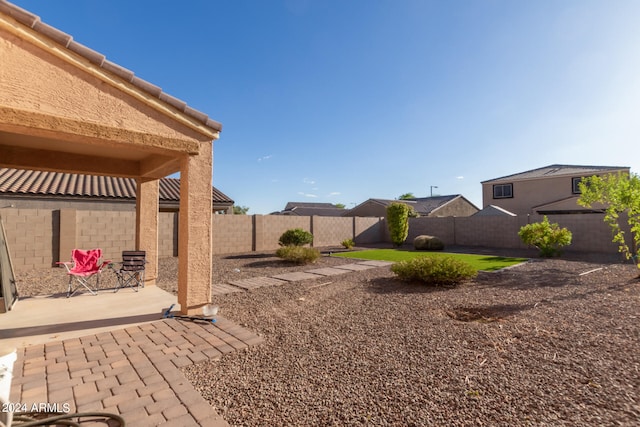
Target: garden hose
31, 419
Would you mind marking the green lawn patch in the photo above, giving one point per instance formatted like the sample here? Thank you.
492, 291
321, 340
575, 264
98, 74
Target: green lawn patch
479, 262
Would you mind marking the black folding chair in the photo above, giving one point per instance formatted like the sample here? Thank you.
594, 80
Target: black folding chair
131, 271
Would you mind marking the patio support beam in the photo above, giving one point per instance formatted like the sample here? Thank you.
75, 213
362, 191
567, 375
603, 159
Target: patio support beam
194, 238
49, 160
147, 221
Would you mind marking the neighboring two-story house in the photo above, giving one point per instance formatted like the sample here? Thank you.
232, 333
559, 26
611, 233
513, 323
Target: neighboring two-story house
546, 191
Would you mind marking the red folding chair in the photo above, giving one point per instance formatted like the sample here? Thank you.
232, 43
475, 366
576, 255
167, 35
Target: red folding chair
84, 266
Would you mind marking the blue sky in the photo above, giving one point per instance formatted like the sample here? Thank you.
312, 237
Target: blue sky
340, 101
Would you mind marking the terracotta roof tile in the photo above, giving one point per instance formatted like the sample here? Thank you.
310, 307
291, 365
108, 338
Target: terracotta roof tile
16, 182
33, 21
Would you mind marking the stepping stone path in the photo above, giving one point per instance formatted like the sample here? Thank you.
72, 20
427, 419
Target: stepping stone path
298, 276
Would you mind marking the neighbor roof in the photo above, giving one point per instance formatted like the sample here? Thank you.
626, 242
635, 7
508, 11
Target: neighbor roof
65, 40
28, 182
426, 205
559, 170
311, 209
422, 205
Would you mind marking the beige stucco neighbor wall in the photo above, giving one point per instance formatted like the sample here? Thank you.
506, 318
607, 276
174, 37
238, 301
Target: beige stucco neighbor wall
531, 193
457, 207
527, 194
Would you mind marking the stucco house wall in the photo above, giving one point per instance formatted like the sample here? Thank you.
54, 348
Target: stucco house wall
457, 207
370, 208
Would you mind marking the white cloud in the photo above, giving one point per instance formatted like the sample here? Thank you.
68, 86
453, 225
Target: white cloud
265, 157
334, 193
460, 177
307, 194
309, 181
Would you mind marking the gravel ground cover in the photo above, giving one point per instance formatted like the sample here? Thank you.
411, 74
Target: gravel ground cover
551, 342
540, 344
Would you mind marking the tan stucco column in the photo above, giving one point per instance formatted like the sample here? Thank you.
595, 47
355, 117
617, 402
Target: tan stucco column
147, 226
194, 231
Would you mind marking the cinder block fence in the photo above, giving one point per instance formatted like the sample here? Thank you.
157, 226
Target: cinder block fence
38, 238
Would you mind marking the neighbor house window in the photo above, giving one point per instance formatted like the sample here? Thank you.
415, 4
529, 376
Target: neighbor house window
574, 185
502, 191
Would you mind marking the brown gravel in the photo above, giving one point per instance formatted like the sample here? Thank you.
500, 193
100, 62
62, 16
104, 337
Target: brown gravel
540, 344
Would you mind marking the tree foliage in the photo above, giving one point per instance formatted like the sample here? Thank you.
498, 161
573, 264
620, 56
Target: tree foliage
240, 210
398, 222
406, 196
547, 237
295, 237
620, 194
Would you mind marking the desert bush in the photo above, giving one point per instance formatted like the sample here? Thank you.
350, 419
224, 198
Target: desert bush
298, 254
547, 237
295, 237
398, 221
434, 270
348, 243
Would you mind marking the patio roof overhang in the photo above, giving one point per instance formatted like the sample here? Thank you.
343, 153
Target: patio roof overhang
64, 107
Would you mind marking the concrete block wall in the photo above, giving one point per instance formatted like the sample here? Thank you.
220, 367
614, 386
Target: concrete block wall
111, 231
232, 234
167, 234
590, 232
331, 230
369, 230
275, 225
37, 238
30, 237
443, 228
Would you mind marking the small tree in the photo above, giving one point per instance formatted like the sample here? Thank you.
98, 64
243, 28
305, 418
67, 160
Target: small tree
398, 222
547, 237
406, 196
240, 210
620, 193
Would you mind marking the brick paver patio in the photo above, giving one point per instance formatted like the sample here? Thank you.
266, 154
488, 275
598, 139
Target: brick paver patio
135, 372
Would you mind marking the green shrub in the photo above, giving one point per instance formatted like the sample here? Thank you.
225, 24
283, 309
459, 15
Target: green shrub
434, 270
398, 222
298, 254
348, 243
547, 237
295, 237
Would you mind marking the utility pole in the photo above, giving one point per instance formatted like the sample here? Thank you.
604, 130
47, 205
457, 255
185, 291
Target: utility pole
432, 187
